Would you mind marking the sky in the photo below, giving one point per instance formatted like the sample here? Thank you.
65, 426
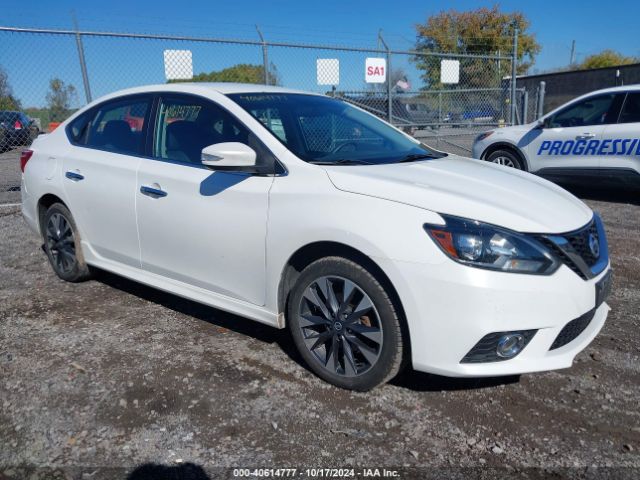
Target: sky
112, 64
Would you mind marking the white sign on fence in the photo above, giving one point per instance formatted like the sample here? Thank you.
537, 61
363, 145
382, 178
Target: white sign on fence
328, 71
375, 70
178, 65
450, 71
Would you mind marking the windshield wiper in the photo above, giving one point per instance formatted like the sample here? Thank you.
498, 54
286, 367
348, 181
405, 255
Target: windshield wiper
416, 156
341, 161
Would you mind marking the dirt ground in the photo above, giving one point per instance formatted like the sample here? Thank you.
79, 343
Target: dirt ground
99, 378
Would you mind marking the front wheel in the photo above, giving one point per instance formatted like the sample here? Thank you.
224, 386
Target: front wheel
344, 325
507, 158
62, 244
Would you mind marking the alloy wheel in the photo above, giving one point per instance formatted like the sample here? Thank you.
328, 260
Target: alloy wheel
340, 326
506, 161
61, 243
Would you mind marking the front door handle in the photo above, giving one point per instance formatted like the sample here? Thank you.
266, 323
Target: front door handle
585, 136
152, 192
75, 176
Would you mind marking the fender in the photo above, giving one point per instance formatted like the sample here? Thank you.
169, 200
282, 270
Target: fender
510, 145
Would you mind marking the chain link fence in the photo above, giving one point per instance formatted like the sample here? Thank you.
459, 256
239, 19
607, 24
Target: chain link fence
444, 99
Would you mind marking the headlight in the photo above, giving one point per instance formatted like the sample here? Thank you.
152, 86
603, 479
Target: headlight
484, 135
486, 246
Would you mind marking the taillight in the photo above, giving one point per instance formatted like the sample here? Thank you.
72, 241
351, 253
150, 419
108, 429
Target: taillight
17, 125
24, 158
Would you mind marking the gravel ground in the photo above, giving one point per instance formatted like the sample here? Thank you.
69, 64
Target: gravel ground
10, 176
112, 374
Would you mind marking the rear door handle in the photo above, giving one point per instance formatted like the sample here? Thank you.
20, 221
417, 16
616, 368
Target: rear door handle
585, 136
75, 176
152, 192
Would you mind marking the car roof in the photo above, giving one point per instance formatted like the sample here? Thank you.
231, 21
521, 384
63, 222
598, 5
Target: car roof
623, 88
203, 87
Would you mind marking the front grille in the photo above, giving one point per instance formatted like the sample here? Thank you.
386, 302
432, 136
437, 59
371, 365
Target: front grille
580, 243
574, 251
563, 256
572, 330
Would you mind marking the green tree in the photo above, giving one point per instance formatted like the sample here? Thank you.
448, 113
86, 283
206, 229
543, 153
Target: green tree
59, 99
484, 31
241, 73
606, 58
7, 99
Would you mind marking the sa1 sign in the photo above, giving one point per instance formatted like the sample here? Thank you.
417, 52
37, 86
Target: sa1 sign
375, 70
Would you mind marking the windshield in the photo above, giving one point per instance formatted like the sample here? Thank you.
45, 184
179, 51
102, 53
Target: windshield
321, 129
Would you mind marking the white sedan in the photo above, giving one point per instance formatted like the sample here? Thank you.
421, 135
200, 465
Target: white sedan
301, 211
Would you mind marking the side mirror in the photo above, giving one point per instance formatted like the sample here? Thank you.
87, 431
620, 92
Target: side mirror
543, 123
229, 156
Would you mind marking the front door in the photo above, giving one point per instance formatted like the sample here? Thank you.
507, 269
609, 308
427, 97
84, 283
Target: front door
200, 227
572, 138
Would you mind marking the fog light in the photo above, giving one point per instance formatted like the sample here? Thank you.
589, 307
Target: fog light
510, 345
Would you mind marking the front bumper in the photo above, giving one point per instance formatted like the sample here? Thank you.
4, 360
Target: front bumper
449, 307
477, 148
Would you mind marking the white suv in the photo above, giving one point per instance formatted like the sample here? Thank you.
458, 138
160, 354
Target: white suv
595, 136
301, 211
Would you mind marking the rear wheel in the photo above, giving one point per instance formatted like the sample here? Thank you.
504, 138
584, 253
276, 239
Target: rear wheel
62, 245
506, 157
344, 324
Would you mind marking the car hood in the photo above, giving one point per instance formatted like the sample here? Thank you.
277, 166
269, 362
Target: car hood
469, 188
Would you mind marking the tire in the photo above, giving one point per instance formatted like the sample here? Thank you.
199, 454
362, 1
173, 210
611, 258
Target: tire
507, 158
364, 331
62, 244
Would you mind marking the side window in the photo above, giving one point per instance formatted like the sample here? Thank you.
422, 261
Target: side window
117, 126
78, 128
591, 111
631, 109
185, 125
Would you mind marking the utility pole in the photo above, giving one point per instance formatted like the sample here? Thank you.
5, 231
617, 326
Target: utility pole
389, 86
265, 58
514, 59
572, 59
83, 63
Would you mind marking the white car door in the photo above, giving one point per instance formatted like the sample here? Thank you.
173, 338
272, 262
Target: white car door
100, 175
572, 137
624, 153
204, 228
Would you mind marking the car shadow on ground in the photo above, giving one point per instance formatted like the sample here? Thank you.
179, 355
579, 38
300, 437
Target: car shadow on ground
151, 471
211, 315
427, 382
603, 193
410, 379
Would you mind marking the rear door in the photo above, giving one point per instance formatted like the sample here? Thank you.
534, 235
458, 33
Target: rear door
100, 175
624, 152
572, 137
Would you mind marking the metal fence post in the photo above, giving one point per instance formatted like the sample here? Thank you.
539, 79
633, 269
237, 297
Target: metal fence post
265, 58
525, 106
514, 59
389, 86
541, 93
83, 64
